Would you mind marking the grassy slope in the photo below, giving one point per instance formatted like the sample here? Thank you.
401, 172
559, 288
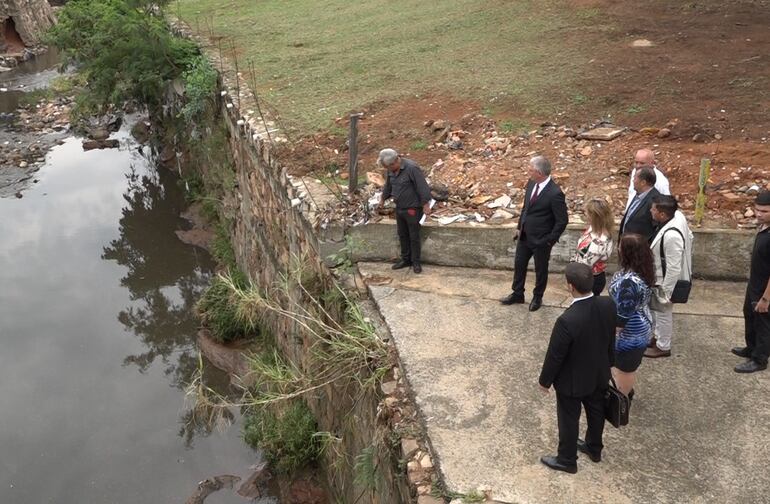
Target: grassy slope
317, 59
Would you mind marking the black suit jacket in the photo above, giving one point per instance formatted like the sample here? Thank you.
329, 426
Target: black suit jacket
640, 221
582, 348
543, 221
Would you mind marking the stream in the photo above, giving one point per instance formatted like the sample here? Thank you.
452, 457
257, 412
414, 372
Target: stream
98, 338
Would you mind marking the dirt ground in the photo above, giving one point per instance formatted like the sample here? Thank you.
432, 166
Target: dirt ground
705, 78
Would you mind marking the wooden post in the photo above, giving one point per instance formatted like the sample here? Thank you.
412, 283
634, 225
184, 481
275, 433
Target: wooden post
700, 202
353, 151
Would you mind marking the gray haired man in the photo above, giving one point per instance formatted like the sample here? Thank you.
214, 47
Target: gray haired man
543, 220
406, 184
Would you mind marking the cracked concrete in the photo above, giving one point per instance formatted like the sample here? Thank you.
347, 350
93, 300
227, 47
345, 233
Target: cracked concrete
699, 432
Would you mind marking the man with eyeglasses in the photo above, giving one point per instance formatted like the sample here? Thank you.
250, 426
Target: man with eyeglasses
645, 157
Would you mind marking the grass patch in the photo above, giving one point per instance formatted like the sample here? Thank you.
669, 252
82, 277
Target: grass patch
218, 311
288, 439
419, 145
315, 64
579, 99
221, 249
636, 109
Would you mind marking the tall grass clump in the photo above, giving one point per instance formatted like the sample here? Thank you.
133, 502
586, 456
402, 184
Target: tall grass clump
287, 439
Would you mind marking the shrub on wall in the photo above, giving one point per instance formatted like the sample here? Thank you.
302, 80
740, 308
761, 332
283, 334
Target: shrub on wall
287, 439
218, 311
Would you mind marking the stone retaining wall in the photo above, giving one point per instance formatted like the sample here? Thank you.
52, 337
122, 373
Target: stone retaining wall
720, 254
273, 228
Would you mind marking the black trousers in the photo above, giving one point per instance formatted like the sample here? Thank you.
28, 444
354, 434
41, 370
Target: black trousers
524, 253
568, 417
600, 281
408, 225
757, 332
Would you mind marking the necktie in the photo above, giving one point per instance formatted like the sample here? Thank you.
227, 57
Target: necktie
631, 209
534, 195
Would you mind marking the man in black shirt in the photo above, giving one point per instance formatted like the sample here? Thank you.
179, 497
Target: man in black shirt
755, 306
406, 184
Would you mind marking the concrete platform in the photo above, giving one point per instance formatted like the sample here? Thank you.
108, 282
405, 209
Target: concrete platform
699, 432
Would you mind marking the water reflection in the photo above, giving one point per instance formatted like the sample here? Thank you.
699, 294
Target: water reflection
164, 278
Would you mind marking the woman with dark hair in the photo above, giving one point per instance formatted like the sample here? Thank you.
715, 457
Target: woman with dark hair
631, 288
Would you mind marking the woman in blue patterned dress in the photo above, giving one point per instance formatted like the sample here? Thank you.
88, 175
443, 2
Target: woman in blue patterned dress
631, 288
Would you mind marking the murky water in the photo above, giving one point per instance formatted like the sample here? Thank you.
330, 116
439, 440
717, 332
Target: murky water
28, 76
97, 338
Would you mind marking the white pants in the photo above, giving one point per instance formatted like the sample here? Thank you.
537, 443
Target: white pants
663, 315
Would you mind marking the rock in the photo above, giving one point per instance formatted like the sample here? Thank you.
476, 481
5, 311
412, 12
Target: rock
388, 387
429, 499
649, 131
426, 462
23, 164
480, 199
502, 201
409, 446
100, 144
439, 191
345, 175
586, 151
748, 213
699, 138
439, 124
717, 137
642, 43
376, 179
98, 133
211, 485
754, 188
167, 154
603, 133
253, 487
664, 133
141, 131
502, 214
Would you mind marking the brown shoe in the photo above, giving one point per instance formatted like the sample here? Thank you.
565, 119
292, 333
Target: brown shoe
654, 353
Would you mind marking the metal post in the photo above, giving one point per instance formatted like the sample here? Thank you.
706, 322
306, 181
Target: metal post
353, 151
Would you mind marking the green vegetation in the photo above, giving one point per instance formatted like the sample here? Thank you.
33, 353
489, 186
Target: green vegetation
219, 312
317, 62
636, 109
288, 439
125, 51
419, 145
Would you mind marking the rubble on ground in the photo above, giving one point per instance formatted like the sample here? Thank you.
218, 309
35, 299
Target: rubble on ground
478, 170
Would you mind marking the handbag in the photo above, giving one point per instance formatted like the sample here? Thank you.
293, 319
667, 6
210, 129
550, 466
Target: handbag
681, 292
617, 406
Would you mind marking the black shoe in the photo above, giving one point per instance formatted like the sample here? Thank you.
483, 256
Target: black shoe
583, 448
417, 268
631, 395
750, 366
401, 264
553, 463
512, 299
536, 304
742, 351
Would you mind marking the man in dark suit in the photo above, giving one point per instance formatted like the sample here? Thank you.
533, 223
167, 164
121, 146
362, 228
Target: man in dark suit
543, 220
577, 364
638, 218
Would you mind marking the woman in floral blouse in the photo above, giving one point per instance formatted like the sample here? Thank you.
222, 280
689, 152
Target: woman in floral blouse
595, 245
631, 288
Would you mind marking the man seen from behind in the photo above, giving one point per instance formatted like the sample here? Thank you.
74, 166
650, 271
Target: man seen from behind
577, 364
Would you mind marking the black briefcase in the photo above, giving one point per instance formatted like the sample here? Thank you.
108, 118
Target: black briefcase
617, 406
